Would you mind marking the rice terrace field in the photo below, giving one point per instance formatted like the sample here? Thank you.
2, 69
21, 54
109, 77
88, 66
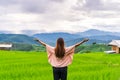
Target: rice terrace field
19, 65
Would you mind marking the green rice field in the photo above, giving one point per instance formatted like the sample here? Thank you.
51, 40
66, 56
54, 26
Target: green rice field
19, 65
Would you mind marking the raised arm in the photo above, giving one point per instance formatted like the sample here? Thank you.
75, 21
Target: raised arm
79, 43
44, 44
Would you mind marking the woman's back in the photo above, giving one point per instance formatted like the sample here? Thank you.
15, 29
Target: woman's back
60, 62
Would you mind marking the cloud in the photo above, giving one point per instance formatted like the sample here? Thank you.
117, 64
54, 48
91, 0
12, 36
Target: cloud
95, 5
58, 0
29, 6
34, 6
8, 2
32, 16
30, 32
111, 28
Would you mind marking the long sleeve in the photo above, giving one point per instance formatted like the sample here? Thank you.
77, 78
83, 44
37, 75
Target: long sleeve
50, 50
70, 50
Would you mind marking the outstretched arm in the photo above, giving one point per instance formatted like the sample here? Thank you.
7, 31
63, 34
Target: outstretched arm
85, 40
44, 44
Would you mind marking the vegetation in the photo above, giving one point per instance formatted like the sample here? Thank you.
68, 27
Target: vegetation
70, 39
27, 47
79, 49
16, 38
21, 65
22, 47
92, 48
39, 48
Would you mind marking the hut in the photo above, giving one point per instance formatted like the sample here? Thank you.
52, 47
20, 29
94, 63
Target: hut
115, 45
5, 46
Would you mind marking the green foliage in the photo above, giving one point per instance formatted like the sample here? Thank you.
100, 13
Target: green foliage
27, 47
21, 65
92, 48
17, 38
79, 49
22, 47
39, 48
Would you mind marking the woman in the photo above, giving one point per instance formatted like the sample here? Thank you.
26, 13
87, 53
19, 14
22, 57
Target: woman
60, 57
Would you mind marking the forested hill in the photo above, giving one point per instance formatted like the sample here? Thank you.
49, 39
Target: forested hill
16, 38
95, 36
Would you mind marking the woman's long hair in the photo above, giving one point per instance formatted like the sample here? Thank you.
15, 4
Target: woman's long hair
59, 49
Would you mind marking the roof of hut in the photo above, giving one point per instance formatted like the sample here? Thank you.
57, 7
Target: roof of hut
115, 43
5, 45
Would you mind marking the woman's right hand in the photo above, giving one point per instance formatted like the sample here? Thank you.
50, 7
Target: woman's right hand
44, 44
36, 39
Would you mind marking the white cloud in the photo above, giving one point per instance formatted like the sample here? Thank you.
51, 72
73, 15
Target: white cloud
32, 16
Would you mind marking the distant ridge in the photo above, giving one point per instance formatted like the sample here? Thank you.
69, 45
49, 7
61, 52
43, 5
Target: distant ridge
70, 39
94, 32
16, 38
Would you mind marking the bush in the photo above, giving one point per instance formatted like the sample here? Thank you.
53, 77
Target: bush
22, 47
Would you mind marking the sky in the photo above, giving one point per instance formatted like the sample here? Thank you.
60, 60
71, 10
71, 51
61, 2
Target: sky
41, 16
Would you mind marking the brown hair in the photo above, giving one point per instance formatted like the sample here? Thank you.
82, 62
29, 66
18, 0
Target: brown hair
59, 49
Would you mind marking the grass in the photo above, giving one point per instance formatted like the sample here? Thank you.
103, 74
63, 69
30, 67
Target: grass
18, 65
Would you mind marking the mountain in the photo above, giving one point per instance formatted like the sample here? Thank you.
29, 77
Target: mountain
91, 41
96, 36
16, 38
70, 39
51, 38
105, 37
94, 32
